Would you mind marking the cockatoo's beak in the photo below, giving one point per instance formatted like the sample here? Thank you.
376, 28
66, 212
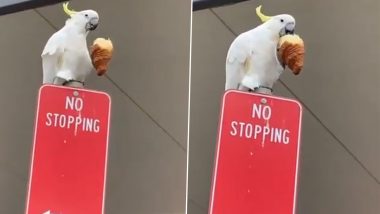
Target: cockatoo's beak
288, 29
92, 24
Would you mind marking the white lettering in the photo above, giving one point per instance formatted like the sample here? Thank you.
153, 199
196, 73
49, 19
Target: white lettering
48, 119
267, 112
78, 104
240, 130
278, 135
248, 130
69, 121
55, 119
62, 121
233, 132
69, 103
258, 130
259, 112
272, 135
74, 103
78, 121
88, 125
256, 111
75, 122
96, 126
266, 131
286, 137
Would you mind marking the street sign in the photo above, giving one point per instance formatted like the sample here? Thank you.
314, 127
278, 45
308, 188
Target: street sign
69, 159
257, 152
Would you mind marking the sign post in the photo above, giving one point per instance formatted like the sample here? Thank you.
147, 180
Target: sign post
69, 159
257, 154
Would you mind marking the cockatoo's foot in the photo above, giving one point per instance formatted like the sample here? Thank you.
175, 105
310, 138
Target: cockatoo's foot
250, 82
243, 88
260, 89
59, 81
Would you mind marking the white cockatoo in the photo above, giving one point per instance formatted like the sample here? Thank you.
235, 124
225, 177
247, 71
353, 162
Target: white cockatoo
252, 63
65, 57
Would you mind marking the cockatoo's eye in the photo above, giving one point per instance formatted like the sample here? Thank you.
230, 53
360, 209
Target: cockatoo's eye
282, 20
86, 15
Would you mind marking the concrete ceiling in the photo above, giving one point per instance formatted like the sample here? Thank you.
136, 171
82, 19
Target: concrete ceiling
339, 86
148, 83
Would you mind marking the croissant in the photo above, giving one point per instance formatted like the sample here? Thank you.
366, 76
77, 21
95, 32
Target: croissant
101, 54
291, 52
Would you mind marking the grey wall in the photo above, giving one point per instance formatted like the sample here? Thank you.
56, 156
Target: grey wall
148, 83
339, 88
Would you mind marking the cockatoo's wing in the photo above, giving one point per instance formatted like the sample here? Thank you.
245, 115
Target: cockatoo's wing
238, 63
52, 57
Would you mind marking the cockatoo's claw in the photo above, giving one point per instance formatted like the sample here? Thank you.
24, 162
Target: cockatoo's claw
58, 81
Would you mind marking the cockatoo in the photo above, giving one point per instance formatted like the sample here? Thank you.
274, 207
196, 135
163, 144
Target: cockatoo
65, 57
252, 63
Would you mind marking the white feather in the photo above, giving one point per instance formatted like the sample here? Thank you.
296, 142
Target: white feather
252, 60
66, 53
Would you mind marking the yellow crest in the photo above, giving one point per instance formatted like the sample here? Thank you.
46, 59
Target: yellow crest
263, 17
67, 10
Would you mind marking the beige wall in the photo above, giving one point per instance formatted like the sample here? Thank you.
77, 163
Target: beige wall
339, 88
148, 83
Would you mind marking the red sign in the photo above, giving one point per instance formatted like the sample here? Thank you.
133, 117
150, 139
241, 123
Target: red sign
68, 169
257, 155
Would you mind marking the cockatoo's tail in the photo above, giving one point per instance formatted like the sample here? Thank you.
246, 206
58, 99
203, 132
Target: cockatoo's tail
101, 54
291, 52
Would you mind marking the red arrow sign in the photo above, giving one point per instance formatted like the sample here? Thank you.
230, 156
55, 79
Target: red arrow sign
69, 157
257, 155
